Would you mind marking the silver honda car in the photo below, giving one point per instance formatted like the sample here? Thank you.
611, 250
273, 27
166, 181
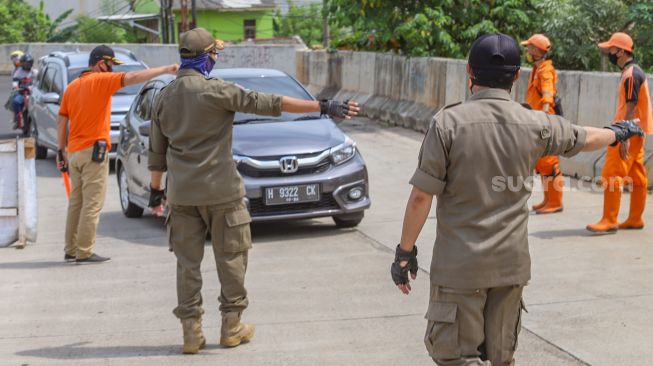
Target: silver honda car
295, 166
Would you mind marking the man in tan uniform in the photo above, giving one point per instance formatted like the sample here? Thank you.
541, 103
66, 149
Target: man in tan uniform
190, 138
481, 261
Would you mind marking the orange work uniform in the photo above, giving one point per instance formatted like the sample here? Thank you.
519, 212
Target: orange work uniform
633, 88
542, 90
87, 103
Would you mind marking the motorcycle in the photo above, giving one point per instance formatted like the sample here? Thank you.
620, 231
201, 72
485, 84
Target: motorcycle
23, 88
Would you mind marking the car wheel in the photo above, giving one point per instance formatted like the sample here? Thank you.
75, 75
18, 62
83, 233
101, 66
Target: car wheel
41, 152
348, 221
129, 209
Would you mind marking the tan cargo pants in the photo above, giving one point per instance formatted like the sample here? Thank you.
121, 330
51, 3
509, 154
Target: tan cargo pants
231, 240
88, 186
473, 327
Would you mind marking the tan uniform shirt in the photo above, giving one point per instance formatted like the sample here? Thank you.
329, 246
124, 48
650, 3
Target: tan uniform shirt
478, 159
190, 137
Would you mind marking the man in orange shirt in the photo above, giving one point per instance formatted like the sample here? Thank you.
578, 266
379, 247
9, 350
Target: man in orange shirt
541, 96
85, 113
626, 159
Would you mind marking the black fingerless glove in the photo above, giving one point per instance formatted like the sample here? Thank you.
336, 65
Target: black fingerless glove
156, 197
624, 130
334, 108
399, 273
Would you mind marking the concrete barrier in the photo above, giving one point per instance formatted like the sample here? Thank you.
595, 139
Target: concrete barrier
408, 92
281, 57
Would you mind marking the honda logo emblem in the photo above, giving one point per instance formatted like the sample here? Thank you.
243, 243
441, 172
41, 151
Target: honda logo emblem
288, 164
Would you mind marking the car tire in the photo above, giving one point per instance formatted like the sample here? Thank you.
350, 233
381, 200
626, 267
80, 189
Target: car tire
348, 221
129, 209
41, 152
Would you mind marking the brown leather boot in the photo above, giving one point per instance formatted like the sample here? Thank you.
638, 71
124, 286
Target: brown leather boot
611, 203
194, 339
637, 204
233, 332
553, 204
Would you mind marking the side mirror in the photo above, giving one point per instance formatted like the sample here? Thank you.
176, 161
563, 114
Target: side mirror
51, 98
144, 129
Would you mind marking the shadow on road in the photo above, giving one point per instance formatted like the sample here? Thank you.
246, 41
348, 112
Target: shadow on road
554, 234
47, 168
150, 230
35, 265
77, 351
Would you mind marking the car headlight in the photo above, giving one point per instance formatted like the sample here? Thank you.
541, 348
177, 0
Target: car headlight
343, 152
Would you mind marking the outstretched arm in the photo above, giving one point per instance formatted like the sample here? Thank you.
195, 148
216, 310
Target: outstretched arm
141, 76
329, 107
598, 138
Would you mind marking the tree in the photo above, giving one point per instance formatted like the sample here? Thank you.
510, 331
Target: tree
303, 21
576, 26
90, 30
21, 22
443, 28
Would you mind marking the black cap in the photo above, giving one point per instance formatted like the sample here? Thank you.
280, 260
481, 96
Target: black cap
495, 59
103, 53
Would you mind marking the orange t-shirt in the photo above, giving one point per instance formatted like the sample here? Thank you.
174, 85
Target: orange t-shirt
633, 88
542, 81
87, 104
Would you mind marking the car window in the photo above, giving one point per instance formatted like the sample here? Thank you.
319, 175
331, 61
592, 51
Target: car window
57, 83
73, 73
144, 106
48, 78
280, 85
39, 77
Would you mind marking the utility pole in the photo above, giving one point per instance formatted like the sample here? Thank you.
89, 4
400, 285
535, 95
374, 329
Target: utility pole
184, 16
171, 22
163, 21
193, 7
326, 37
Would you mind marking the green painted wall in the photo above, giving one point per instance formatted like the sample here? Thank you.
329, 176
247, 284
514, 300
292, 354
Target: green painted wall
228, 26
147, 7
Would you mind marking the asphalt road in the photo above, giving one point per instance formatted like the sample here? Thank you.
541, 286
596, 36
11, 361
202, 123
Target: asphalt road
319, 295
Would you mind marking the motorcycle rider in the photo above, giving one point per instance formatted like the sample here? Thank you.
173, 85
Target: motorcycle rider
22, 82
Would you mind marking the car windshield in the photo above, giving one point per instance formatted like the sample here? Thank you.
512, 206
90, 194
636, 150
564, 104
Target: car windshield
281, 85
128, 90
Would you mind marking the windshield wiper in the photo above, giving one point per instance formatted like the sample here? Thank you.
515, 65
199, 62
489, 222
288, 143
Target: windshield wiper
307, 118
250, 120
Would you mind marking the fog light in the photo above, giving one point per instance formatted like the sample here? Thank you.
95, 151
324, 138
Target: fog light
355, 194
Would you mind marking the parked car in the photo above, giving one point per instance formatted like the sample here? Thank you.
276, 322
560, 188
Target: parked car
56, 71
294, 166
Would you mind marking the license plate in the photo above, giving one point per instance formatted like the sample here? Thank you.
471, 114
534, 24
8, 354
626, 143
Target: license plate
292, 194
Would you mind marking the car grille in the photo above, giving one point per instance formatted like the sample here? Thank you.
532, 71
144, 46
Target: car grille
257, 206
250, 171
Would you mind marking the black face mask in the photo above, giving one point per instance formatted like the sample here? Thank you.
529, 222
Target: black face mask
613, 58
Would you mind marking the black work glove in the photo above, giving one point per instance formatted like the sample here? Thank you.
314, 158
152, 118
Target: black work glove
156, 197
624, 130
334, 108
399, 273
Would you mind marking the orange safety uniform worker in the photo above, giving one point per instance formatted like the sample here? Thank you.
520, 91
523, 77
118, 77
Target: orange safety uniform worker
541, 96
626, 159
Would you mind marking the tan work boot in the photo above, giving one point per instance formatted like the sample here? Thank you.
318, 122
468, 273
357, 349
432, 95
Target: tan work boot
234, 332
194, 339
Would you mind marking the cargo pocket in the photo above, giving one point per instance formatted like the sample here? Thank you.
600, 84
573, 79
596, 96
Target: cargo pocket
441, 337
237, 236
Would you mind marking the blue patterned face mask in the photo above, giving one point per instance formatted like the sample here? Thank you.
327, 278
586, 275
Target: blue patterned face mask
202, 64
